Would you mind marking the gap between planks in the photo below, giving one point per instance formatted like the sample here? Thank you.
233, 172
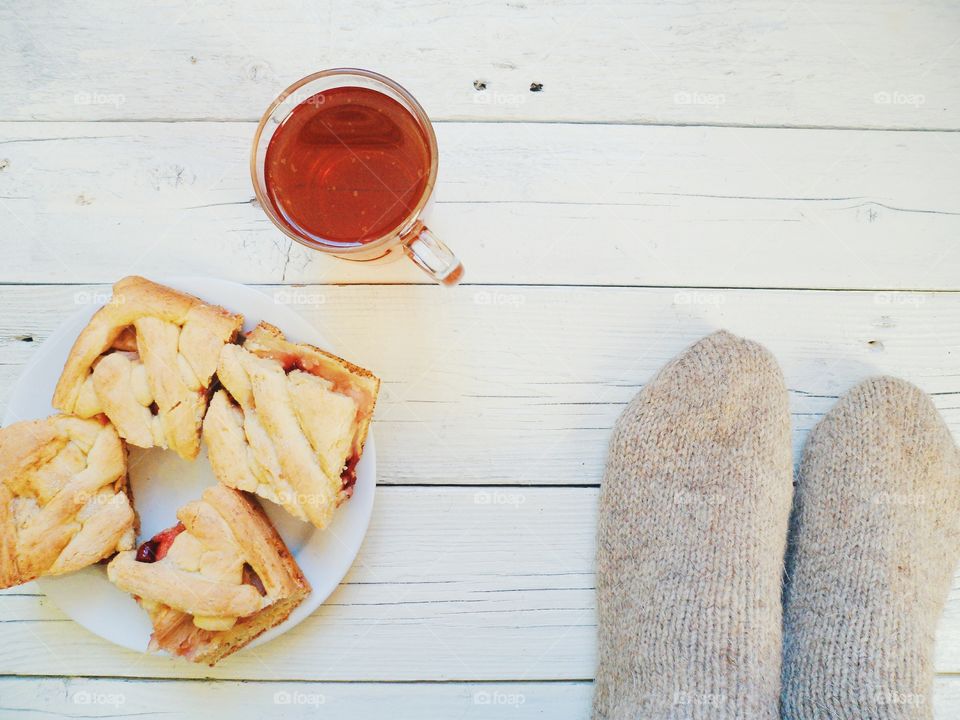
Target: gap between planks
499, 121
560, 286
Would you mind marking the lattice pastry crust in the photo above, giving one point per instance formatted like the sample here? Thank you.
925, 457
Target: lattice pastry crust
146, 360
215, 581
63, 497
290, 423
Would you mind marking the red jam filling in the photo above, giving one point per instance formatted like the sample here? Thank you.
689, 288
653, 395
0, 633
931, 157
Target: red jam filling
349, 474
156, 547
250, 577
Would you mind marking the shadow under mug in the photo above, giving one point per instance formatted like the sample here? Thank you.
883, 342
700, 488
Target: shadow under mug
411, 236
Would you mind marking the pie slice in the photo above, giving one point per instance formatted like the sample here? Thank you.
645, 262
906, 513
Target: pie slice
215, 580
63, 497
146, 360
290, 423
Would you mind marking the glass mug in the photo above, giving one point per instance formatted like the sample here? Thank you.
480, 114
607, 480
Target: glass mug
344, 161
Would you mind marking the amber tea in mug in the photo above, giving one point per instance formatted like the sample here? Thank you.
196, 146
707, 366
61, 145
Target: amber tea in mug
347, 168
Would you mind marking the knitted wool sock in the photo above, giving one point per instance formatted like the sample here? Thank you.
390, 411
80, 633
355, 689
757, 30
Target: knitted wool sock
874, 540
694, 512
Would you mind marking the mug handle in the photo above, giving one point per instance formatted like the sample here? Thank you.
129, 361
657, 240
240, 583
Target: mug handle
432, 255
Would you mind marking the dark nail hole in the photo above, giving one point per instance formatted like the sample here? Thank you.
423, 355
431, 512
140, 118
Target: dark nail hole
875, 345
536, 87
24, 338
479, 85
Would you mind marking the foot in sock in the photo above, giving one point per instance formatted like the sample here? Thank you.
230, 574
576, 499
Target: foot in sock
874, 541
694, 513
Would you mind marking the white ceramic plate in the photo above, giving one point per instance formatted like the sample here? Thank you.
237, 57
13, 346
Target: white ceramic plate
163, 482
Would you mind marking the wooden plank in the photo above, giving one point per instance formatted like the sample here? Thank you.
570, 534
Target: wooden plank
740, 62
523, 384
451, 584
95, 697
521, 203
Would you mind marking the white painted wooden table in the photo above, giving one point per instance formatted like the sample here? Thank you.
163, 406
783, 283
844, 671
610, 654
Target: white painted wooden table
787, 170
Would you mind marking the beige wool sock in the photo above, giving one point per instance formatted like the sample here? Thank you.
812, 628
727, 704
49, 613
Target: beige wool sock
694, 511
874, 541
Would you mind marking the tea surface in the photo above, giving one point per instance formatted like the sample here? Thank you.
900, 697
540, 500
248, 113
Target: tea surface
347, 166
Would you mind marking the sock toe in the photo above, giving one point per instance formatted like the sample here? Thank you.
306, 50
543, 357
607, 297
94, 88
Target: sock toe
874, 539
692, 530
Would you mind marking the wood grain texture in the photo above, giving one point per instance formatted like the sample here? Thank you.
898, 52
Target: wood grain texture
520, 203
741, 62
521, 385
451, 584
103, 698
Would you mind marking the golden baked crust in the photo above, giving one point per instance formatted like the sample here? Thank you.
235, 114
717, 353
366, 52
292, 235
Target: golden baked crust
290, 423
64, 500
201, 596
146, 360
